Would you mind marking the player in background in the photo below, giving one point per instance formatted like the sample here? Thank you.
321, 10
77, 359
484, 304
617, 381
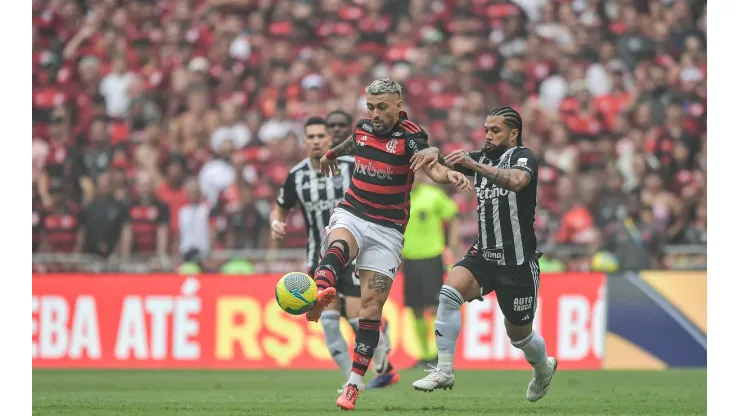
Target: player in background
317, 195
423, 266
505, 257
369, 224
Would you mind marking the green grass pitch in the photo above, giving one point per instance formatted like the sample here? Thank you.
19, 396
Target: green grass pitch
305, 393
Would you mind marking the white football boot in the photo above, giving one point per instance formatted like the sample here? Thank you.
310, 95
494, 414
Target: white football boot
436, 379
538, 387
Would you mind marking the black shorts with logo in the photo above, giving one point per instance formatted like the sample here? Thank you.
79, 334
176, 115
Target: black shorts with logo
516, 287
347, 284
422, 281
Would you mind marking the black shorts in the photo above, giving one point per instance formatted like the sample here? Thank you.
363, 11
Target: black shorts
422, 281
347, 284
516, 286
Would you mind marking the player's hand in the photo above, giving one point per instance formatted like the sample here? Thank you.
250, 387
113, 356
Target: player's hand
278, 230
328, 166
461, 182
427, 157
460, 157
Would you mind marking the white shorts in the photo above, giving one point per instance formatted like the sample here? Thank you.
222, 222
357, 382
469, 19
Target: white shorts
379, 247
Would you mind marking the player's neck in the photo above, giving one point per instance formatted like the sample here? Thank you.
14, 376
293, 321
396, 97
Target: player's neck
314, 163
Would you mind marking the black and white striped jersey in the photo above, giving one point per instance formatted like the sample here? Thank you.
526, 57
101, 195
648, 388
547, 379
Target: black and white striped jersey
506, 219
317, 196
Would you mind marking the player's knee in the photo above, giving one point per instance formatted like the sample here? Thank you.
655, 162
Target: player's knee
450, 298
371, 308
517, 332
341, 249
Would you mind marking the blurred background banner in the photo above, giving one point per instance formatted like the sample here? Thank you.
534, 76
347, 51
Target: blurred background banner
657, 320
218, 321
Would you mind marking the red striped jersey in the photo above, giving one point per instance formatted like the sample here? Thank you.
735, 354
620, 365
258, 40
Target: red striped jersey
382, 177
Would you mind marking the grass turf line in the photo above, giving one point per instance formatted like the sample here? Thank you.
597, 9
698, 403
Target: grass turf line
307, 393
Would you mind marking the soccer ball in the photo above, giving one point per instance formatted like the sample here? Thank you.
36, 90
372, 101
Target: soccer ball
296, 293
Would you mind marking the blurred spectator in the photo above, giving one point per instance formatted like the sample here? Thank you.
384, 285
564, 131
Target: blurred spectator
147, 232
237, 221
171, 190
610, 88
219, 173
99, 154
114, 87
277, 127
635, 240
62, 226
194, 239
103, 219
231, 128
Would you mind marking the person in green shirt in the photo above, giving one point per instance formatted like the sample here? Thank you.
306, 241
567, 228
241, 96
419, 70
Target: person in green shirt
424, 245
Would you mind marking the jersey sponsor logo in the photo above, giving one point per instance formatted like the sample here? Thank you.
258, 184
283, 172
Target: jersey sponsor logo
523, 304
362, 348
493, 255
490, 193
413, 146
362, 141
397, 134
371, 171
391, 146
322, 205
521, 162
366, 127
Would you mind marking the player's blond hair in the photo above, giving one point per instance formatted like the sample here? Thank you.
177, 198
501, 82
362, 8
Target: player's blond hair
384, 86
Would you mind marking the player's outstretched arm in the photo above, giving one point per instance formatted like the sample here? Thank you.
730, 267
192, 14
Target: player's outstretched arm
510, 179
443, 175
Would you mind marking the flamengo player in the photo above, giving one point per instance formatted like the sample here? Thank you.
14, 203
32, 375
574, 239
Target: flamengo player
369, 224
504, 258
317, 195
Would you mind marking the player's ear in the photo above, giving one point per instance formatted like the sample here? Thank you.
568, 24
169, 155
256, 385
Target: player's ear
513, 135
399, 105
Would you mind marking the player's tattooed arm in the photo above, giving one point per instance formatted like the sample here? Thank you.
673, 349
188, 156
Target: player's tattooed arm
380, 283
345, 148
510, 179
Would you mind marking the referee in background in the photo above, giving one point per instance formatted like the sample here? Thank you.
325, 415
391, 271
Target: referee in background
423, 266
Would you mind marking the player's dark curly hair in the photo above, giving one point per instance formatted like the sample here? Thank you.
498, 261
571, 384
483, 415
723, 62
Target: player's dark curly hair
511, 119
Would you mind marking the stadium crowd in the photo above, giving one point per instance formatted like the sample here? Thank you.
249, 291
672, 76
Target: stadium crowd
154, 115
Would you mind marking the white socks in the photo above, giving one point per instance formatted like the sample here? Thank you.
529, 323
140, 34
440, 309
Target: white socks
335, 341
447, 326
533, 347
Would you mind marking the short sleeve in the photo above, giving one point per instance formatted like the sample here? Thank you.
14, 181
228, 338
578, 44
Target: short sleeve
524, 159
446, 207
287, 195
417, 142
465, 171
